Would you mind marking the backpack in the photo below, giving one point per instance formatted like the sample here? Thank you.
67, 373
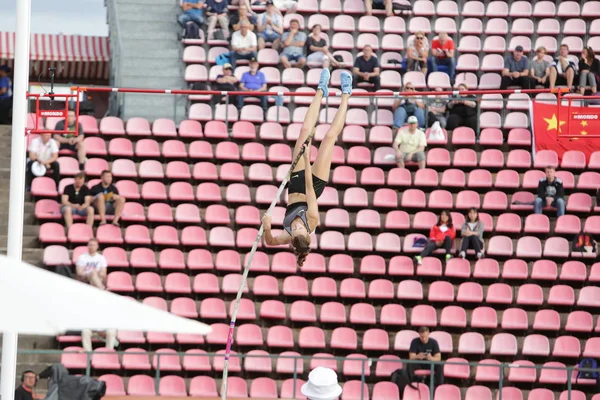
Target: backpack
192, 31
589, 363
402, 380
582, 241
222, 59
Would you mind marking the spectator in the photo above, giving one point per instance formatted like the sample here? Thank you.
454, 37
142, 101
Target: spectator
463, 111
425, 348
317, 49
366, 69
253, 81
441, 235
550, 193
216, 10
43, 153
540, 68
109, 338
242, 15
243, 44
410, 144
293, 46
589, 68
91, 266
472, 234
5, 95
437, 109
411, 106
107, 199
226, 81
69, 141
516, 70
192, 12
379, 5
27, 389
77, 199
270, 27
322, 384
442, 50
562, 71
417, 54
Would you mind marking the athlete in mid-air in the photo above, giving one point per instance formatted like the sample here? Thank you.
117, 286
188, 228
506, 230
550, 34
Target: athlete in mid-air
307, 182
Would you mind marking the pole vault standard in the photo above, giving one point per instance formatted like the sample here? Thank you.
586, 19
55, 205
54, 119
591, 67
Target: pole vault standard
17, 184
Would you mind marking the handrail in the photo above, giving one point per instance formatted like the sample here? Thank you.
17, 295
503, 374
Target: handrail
366, 364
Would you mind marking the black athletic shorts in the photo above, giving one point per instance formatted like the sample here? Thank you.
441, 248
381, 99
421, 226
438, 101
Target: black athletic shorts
297, 184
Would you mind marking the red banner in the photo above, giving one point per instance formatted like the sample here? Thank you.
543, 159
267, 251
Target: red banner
551, 125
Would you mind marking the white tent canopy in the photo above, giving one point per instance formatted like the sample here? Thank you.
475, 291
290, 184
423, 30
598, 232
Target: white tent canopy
38, 302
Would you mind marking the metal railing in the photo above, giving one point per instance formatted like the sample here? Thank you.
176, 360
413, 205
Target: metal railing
365, 366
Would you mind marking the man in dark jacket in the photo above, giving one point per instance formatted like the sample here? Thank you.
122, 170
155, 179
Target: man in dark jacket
425, 348
550, 193
63, 386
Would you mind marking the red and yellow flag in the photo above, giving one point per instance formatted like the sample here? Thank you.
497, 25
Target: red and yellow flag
551, 125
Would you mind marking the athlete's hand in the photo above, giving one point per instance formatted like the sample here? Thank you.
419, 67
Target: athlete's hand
306, 150
266, 220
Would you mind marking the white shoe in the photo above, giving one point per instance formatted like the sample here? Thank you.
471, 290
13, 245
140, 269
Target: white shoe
462, 255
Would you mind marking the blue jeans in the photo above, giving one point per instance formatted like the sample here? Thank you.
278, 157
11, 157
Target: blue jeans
269, 36
448, 61
234, 56
186, 17
263, 101
400, 116
558, 203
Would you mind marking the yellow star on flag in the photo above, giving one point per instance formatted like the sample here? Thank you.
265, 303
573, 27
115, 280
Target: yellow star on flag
584, 123
553, 123
584, 132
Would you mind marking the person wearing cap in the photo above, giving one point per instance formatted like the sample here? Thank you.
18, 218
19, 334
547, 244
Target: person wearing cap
410, 105
70, 141
293, 46
5, 95
270, 27
77, 200
216, 10
193, 11
442, 53
410, 144
253, 81
366, 68
425, 348
322, 384
243, 44
226, 81
43, 153
516, 70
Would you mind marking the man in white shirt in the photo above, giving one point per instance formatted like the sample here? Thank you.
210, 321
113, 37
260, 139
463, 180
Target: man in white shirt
243, 44
43, 151
410, 144
91, 266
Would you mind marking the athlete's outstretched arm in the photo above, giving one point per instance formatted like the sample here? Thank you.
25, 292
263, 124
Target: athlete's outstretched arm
271, 240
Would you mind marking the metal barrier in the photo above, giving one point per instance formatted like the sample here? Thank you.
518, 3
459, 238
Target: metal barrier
366, 364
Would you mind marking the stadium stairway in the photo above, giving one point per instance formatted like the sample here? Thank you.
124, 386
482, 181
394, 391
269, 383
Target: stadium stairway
146, 53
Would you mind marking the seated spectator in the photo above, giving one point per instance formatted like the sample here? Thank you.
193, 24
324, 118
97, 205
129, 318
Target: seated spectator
216, 10
317, 49
270, 27
366, 69
562, 71
462, 111
91, 266
69, 141
107, 199
5, 95
411, 105
437, 109
425, 348
290, 6
243, 44
27, 389
193, 11
243, 14
550, 193
417, 54
253, 81
226, 82
442, 51
540, 69
472, 234
516, 70
109, 338
379, 5
410, 144
43, 153
77, 200
293, 43
589, 68
441, 235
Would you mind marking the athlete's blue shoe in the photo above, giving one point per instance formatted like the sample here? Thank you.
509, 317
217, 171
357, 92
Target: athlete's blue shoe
346, 79
324, 81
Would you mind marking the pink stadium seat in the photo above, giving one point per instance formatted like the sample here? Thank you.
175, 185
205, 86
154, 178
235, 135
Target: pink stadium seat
141, 385
509, 223
566, 346
519, 373
206, 283
478, 392
119, 281
280, 336
423, 315
471, 343
112, 126
166, 360
553, 376
529, 247
453, 316
454, 178
500, 246
514, 319
461, 370
530, 294
536, 345
410, 290
114, 384
556, 247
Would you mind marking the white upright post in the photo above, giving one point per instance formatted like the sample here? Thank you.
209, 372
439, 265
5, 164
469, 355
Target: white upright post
17, 182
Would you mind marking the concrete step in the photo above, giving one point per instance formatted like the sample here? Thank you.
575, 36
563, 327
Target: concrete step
152, 48
149, 83
169, 31
145, 65
28, 241
144, 2
147, 12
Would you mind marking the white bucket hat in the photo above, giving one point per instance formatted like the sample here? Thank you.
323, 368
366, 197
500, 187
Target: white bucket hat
38, 169
322, 385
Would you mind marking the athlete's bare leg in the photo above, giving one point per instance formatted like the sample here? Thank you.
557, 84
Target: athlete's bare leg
312, 116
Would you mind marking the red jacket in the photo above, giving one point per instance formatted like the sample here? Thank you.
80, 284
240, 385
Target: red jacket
438, 236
